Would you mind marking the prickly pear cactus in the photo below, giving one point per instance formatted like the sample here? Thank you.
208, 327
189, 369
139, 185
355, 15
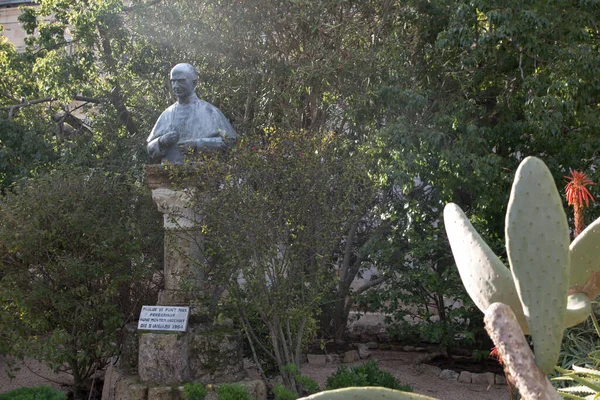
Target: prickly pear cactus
485, 277
537, 242
365, 393
585, 261
542, 263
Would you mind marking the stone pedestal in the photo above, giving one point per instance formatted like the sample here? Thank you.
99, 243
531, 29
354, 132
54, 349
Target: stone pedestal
206, 352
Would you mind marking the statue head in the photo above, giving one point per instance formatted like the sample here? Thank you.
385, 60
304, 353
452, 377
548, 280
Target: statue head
183, 81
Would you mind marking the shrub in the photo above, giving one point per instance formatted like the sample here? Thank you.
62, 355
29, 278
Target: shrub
282, 393
304, 384
78, 249
233, 392
38, 393
194, 391
368, 374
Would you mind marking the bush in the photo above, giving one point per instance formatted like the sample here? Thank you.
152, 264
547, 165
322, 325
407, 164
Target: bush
78, 252
233, 392
38, 393
282, 393
368, 374
194, 391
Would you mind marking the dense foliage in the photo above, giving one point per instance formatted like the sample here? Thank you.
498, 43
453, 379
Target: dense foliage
76, 263
38, 393
431, 101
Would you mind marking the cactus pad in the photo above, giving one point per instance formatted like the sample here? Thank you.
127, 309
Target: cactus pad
537, 243
365, 393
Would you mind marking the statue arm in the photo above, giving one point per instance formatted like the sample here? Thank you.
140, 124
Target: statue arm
222, 137
161, 138
215, 141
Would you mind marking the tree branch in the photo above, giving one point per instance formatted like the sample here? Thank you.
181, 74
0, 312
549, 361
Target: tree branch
370, 284
12, 108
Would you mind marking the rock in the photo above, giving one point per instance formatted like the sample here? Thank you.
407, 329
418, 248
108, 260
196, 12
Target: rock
316, 359
396, 348
350, 356
163, 359
385, 346
160, 393
486, 378
363, 352
499, 379
371, 345
448, 375
420, 349
333, 358
464, 377
123, 388
383, 335
408, 348
136, 392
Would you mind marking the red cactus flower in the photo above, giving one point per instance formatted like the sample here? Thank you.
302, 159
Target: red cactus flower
578, 194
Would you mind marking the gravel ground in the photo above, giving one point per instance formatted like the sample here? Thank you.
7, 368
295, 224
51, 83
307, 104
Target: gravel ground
30, 373
423, 378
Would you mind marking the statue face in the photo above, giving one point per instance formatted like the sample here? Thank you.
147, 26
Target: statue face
182, 83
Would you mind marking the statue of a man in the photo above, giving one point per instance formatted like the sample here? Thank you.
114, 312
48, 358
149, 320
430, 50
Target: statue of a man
190, 125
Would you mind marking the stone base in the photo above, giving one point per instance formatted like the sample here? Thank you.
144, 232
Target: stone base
206, 353
118, 386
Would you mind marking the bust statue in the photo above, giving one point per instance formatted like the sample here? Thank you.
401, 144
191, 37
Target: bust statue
190, 125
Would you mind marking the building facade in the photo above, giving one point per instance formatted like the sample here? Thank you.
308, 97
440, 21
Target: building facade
9, 14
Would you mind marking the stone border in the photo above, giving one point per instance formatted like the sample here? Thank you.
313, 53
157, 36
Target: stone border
362, 353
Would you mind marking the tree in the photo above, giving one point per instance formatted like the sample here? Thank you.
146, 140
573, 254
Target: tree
275, 211
78, 254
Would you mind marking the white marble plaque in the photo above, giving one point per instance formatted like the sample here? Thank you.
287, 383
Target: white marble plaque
164, 318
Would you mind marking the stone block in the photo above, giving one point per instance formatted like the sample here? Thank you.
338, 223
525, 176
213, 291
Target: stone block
164, 358
178, 393
350, 356
138, 391
363, 352
408, 348
486, 378
160, 393
180, 248
371, 345
448, 375
216, 354
499, 379
464, 377
127, 389
317, 359
333, 358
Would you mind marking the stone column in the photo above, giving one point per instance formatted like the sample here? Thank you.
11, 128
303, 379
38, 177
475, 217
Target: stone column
182, 245
206, 352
